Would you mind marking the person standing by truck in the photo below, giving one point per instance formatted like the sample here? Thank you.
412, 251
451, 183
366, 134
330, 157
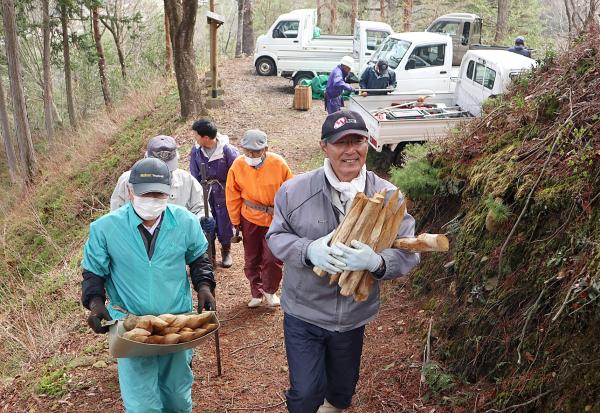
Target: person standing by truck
520, 48
323, 330
214, 150
252, 182
336, 85
377, 77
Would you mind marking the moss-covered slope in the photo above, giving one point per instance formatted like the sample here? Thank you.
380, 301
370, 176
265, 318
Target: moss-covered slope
520, 303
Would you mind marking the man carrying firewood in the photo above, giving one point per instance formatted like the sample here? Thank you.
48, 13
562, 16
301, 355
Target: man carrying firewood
324, 329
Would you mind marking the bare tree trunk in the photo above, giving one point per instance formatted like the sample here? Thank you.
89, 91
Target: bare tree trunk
24, 142
48, 119
67, 62
382, 9
114, 30
569, 22
55, 114
333, 12
101, 60
592, 13
182, 19
319, 5
168, 48
502, 22
408, 7
240, 29
248, 40
8, 146
353, 15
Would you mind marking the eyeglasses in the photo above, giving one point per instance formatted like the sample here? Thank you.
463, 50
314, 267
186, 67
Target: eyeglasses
354, 141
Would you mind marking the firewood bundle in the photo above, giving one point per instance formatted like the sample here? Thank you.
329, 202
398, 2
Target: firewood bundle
167, 328
374, 222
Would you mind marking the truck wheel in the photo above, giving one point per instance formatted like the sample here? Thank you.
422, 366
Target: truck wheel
398, 154
265, 66
302, 76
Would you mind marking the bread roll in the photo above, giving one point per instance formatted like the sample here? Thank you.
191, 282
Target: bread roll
130, 322
155, 340
199, 332
210, 327
180, 321
171, 339
196, 320
168, 330
168, 318
186, 336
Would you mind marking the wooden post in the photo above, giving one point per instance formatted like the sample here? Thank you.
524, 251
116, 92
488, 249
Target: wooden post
213, 52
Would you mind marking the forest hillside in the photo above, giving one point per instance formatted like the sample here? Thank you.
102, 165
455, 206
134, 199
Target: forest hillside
518, 191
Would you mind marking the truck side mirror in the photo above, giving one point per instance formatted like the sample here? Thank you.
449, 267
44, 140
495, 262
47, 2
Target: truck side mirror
411, 64
277, 34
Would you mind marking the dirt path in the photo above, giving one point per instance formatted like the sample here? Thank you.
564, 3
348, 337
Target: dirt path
254, 364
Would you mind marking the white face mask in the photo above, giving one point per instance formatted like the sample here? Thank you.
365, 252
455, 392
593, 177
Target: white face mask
149, 208
253, 161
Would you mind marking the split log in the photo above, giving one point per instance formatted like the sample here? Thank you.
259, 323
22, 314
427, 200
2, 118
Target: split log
342, 232
349, 280
423, 243
394, 218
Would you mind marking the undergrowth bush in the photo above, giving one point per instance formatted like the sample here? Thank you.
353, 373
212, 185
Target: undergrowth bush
418, 178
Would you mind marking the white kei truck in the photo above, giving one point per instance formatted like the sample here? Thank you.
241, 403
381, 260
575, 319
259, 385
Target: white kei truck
292, 47
399, 118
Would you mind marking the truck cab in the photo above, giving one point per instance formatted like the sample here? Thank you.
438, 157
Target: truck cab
422, 61
464, 28
487, 73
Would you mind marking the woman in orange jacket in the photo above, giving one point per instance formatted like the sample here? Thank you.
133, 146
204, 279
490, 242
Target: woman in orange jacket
252, 182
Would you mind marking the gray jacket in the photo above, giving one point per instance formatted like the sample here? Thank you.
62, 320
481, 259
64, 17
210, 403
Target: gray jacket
304, 212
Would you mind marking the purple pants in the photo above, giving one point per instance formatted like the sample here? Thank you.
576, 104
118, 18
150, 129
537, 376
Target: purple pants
333, 104
261, 268
218, 209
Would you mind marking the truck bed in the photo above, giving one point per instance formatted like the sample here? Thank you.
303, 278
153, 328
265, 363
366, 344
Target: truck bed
412, 125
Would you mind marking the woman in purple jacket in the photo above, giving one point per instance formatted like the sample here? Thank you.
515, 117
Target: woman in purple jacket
214, 150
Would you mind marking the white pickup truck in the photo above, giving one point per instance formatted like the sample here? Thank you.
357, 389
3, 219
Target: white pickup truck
292, 47
399, 118
421, 60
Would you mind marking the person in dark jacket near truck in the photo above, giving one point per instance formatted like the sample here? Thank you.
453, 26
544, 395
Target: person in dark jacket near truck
520, 48
377, 77
323, 330
137, 255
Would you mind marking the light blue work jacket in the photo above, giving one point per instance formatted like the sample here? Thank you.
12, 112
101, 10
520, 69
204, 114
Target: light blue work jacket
115, 251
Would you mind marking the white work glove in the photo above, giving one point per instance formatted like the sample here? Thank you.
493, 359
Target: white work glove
321, 255
360, 257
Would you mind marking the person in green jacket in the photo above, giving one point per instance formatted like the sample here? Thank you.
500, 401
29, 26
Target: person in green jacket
137, 255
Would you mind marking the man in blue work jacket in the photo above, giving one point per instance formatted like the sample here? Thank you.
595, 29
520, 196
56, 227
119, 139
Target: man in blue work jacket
138, 254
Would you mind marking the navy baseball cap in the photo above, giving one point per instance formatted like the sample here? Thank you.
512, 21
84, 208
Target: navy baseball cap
150, 175
343, 123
